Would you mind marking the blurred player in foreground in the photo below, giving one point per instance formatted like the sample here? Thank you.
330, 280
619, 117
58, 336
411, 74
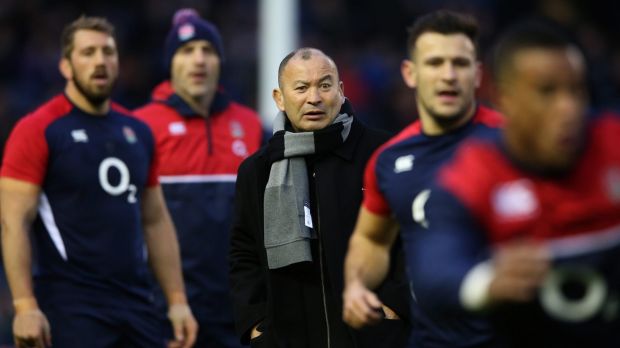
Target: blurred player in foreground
527, 228
444, 69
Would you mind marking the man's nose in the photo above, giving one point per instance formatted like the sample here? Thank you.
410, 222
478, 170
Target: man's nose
199, 57
448, 72
314, 96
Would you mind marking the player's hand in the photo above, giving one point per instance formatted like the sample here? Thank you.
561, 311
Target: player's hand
519, 270
31, 329
361, 306
184, 325
255, 332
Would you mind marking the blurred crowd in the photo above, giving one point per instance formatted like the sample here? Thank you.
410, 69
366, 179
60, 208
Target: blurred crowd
365, 37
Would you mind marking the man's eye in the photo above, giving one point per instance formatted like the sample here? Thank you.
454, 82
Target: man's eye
434, 62
546, 90
108, 51
462, 63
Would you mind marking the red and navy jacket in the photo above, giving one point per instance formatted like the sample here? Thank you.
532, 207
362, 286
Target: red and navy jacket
88, 234
199, 158
484, 199
397, 181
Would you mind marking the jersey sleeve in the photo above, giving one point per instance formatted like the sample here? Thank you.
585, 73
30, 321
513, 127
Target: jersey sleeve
153, 178
374, 200
26, 152
443, 255
147, 131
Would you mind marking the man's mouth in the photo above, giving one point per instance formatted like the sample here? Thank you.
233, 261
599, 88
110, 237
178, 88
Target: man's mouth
448, 95
314, 114
100, 77
198, 76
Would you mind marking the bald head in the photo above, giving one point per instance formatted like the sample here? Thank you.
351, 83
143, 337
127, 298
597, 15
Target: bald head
309, 91
304, 53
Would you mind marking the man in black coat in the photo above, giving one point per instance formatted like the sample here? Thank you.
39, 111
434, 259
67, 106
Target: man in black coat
296, 204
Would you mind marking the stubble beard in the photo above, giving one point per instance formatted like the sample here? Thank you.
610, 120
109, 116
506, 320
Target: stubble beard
95, 98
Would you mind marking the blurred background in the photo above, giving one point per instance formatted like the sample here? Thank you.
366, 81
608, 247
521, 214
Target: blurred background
366, 38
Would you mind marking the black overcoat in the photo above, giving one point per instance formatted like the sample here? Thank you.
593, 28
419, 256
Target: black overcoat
260, 294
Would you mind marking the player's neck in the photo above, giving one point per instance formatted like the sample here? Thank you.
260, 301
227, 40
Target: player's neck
201, 105
78, 99
522, 153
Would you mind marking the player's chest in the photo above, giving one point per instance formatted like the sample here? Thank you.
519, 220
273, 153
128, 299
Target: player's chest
555, 209
86, 153
405, 176
201, 146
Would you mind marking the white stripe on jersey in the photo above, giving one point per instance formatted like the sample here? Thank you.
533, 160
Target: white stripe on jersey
45, 210
177, 179
585, 243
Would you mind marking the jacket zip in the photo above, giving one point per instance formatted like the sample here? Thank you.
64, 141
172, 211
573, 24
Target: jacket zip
209, 141
318, 229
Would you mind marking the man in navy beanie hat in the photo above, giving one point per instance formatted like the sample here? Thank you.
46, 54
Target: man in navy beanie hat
188, 26
201, 137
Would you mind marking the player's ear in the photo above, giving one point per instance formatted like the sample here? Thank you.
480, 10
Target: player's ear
65, 68
408, 71
278, 98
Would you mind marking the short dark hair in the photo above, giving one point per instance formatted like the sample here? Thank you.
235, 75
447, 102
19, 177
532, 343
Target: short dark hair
443, 22
304, 52
526, 34
83, 23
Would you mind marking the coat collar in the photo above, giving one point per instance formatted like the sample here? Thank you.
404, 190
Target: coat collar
347, 150
164, 93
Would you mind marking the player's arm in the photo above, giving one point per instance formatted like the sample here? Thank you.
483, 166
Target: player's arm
19, 201
163, 248
455, 268
366, 265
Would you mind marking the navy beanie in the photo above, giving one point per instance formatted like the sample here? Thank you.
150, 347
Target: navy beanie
188, 26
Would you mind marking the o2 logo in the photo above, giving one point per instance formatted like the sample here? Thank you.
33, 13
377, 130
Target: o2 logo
123, 186
592, 298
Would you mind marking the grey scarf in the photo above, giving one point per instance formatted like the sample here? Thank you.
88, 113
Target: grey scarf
287, 221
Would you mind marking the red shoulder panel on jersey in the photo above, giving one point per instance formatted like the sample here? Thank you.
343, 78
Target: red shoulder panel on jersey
373, 198
119, 108
26, 151
488, 117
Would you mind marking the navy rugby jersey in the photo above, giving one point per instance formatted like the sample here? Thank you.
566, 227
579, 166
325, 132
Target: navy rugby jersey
92, 171
397, 182
486, 199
